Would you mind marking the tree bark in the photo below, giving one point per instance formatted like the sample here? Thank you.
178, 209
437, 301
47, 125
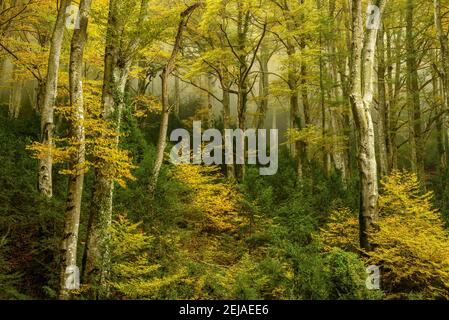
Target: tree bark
96, 259
437, 93
361, 97
264, 90
210, 111
336, 117
382, 123
296, 147
226, 101
166, 72
47, 112
394, 88
75, 188
413, 98
444, 61
15, 95
177, 97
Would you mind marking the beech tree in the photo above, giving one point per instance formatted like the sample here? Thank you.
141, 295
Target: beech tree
362, 70
444, 67
119, 55
166, 108
49, 98
69, 244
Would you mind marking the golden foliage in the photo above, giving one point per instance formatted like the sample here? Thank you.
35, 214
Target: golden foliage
341, 231
100, 141
410, 241
132, 273
214, 198
144, 104
316, 141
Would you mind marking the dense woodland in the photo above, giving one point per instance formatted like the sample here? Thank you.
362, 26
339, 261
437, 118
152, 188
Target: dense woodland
91, 89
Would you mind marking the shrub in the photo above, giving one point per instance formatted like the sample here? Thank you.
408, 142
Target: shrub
410, 241
132, 273
8, 280
347, 276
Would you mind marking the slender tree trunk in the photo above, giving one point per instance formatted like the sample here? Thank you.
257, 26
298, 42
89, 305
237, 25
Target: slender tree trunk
177, 97
242, 102
243, 21
75, 189
40, 90
302, 146
394, 89
296, 147
362, 54
168, 69
444, 60
413, 98
323, 109
162, 142
47, 112
226, 101
336, 118
295, 122
210, 111
336, 122
441, 165
390, 144
264, 90
382, 124
15, 95
4, 68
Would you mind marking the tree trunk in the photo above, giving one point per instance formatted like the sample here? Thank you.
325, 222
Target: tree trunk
336, 118
241, 117
15, 95
302, 146
361, 97
295, 123
96, 259
436, 91
382, 124
394, 88
76, 167
226, 101
413, 98
444, 60
264, 83
177, 97
168, 69
47, 112
210, 111
163, 129
296, 147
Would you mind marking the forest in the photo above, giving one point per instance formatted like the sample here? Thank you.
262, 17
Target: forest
224, 150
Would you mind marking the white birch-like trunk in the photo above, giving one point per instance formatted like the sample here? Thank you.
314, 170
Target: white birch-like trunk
49, 98
69, 243
361, 97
